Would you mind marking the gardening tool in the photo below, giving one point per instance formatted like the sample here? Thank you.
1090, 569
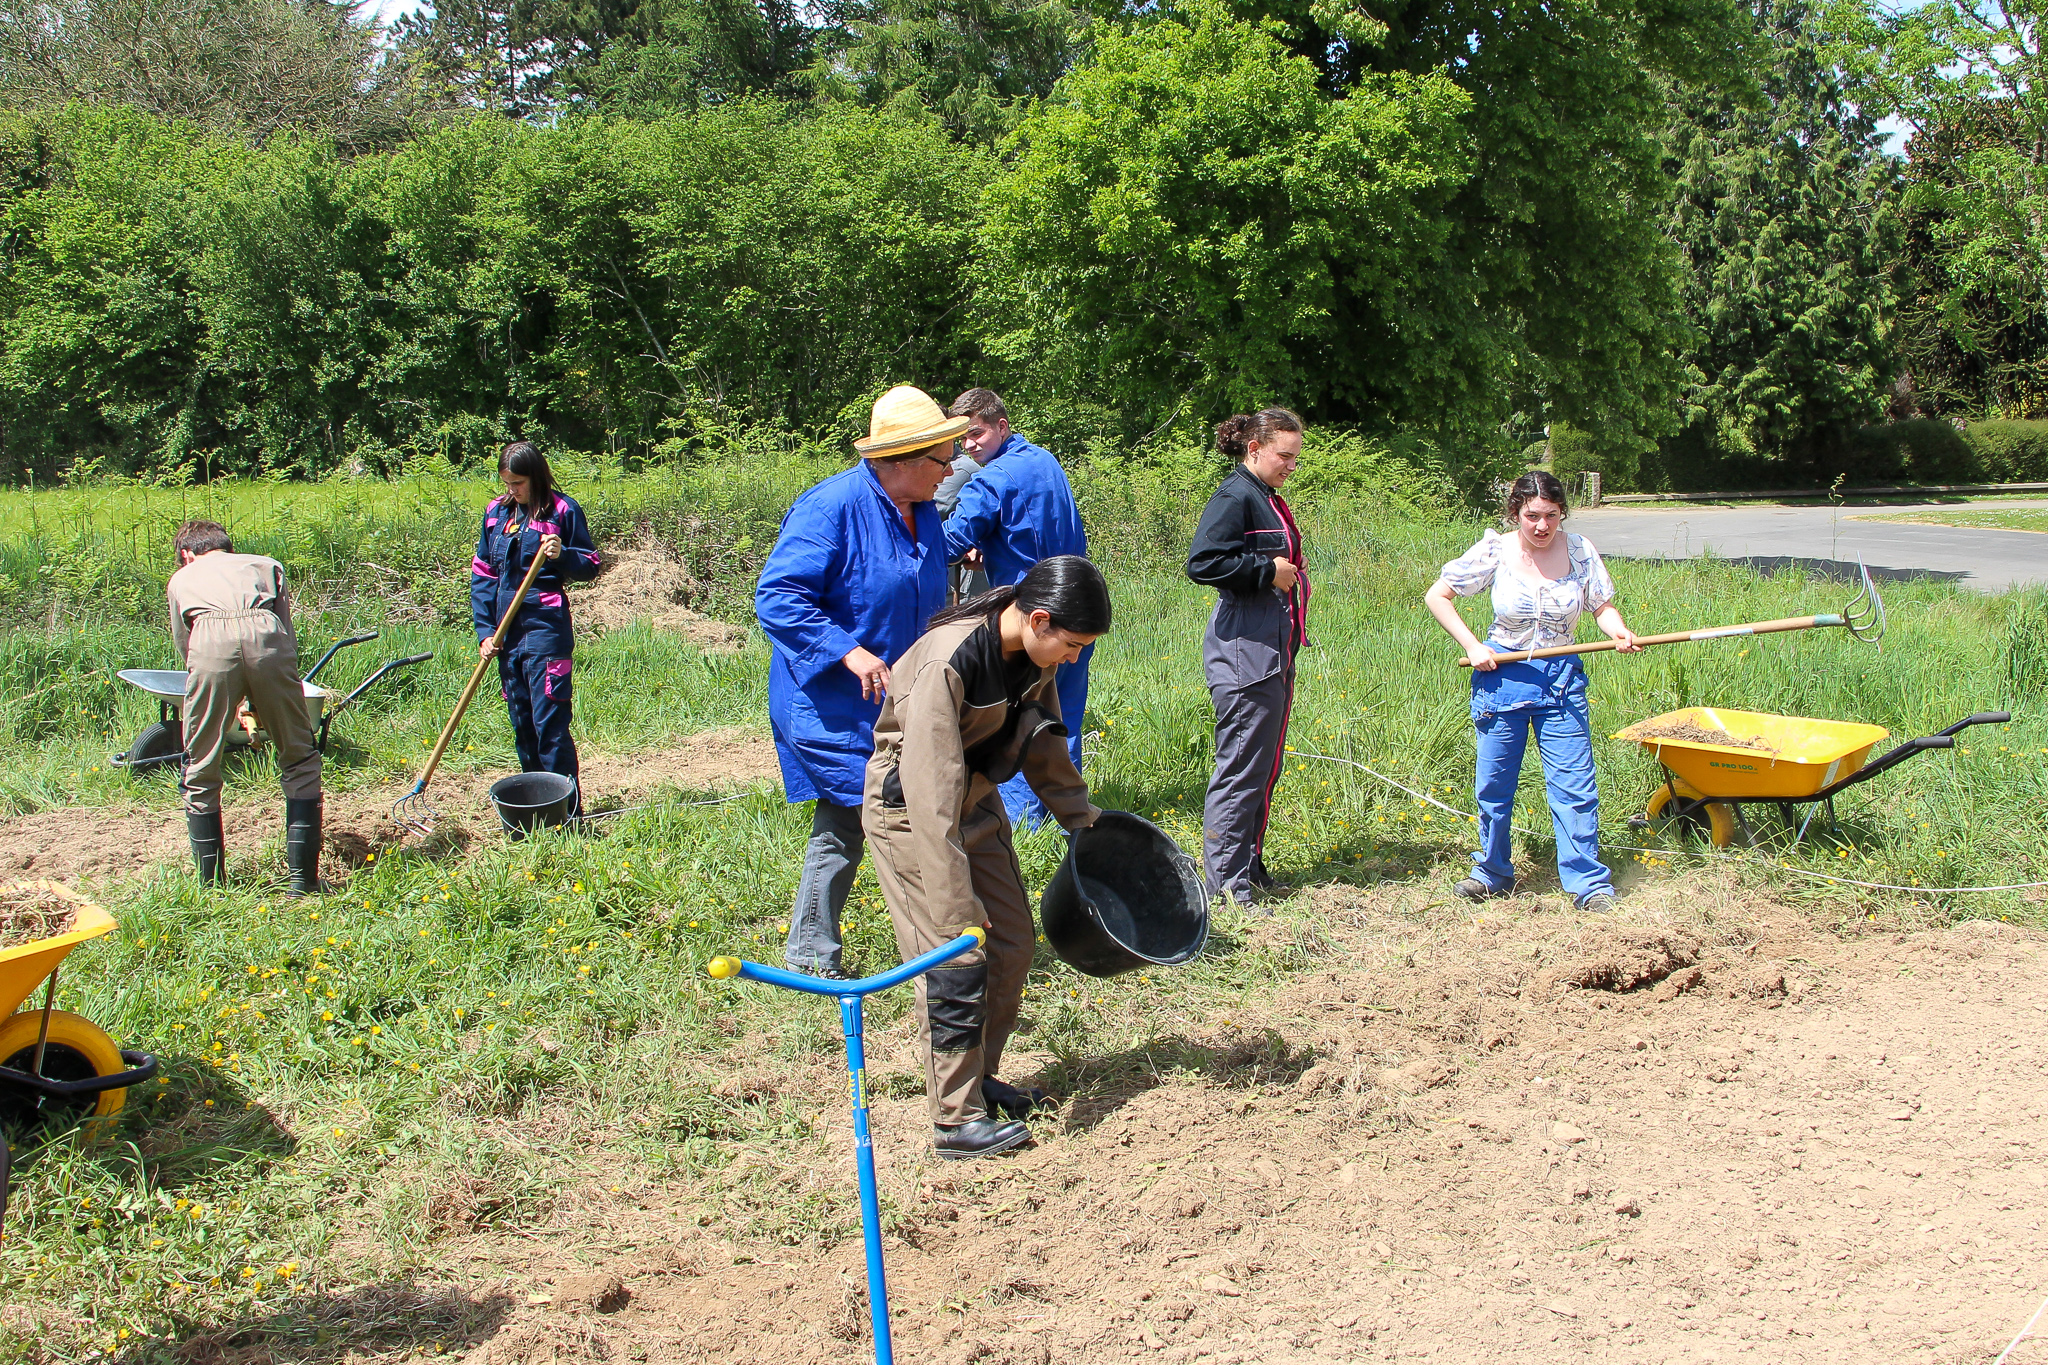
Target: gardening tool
1126, 897
162, 742
850, 995
1863, 618
1801, 762
413, 811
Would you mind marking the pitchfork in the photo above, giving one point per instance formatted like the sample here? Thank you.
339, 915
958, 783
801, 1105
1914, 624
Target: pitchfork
413, 812
1863, 618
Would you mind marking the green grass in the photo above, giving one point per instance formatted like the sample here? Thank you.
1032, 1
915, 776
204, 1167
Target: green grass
2001, 519
454, 1047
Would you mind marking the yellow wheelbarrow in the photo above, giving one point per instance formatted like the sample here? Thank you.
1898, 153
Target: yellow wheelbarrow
1783, 761
55, 1064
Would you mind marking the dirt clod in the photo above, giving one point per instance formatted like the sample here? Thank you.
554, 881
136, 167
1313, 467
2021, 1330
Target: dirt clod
1678, 983
597, 1292
1627, 962
1412, 1078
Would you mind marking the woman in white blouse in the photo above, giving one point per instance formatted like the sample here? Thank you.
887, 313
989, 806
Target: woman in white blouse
1542, 577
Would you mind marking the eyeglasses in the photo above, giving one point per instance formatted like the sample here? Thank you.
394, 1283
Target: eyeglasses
946, 465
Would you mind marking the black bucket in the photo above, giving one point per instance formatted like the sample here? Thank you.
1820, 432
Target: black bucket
1125, 898
528, 801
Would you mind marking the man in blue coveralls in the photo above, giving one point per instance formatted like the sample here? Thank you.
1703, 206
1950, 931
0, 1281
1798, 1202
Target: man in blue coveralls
1018, 510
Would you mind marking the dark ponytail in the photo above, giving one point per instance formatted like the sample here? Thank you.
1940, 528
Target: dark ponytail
1067, 588
1537, 483
1234, 435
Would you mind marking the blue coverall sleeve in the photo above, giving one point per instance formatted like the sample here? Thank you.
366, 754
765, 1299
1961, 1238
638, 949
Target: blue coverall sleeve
789, 599
976, 518
483, 584
580, 560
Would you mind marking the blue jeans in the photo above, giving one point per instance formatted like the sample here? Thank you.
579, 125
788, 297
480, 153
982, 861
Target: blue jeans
1564, 737
1026, 810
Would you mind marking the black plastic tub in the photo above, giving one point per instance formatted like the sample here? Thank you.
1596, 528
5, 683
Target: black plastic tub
529, 801
1126, 897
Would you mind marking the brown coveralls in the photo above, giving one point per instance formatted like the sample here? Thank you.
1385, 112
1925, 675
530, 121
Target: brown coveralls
941, 841
232, 618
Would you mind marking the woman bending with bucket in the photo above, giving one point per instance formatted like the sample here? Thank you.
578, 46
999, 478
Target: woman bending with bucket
973, 703
1542, 578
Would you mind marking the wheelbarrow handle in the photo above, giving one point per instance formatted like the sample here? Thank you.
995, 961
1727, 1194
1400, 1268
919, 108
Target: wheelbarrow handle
1981, 718
407, 662
725, 968
336, 648
1898, 755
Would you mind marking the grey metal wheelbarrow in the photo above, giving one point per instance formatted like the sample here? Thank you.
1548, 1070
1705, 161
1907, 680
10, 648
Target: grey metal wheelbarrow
162, 742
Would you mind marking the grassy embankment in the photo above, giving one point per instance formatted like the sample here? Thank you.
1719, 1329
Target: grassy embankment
1997, 519
508, 1024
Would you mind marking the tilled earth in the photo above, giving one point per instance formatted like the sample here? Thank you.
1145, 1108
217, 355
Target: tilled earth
1703, 1132
74, 842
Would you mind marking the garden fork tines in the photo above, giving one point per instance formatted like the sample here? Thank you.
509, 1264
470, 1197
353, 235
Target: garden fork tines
1864, 616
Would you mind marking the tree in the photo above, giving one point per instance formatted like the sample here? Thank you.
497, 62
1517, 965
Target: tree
492, 55
977, 64
1191, 225
686, 54
1966, 75
251, 67
1786, 216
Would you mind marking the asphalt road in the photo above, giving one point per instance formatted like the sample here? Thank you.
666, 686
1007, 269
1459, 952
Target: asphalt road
1827, 539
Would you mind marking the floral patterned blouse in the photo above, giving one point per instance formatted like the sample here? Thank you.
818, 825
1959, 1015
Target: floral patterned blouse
1531, 613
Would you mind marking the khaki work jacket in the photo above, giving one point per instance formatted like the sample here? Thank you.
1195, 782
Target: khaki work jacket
945, 741
225, 582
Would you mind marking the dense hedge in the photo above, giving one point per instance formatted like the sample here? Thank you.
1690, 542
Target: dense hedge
195, 306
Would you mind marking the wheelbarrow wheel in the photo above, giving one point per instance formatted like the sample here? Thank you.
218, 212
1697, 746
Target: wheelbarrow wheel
159, 745
1714, 822
78, 1049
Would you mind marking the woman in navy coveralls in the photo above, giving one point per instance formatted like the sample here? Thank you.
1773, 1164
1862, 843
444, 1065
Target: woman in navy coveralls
536, 664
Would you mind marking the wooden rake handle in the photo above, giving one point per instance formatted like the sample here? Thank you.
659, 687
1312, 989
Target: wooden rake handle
476, 677
1683, 637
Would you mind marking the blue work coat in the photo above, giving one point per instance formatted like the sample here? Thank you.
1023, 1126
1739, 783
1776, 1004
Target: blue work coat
542, 629
844, 574
1018, 510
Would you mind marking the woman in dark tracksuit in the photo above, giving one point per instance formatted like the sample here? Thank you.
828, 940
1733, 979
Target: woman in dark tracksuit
1248, 548
535, 662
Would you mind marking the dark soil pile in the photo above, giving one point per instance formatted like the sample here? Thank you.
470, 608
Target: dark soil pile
30, 912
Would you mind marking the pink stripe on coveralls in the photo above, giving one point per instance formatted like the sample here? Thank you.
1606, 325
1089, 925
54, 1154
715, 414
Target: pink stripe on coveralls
548, 599
480, 569
558, 672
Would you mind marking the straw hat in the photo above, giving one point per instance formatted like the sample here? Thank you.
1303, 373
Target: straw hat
906, 419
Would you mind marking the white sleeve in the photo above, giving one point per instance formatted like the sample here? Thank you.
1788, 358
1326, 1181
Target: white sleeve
1473, 571
1599, 584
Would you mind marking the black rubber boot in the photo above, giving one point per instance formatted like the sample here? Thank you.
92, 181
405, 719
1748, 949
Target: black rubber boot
1003, 1098
977, 1137
208, 846
302, 846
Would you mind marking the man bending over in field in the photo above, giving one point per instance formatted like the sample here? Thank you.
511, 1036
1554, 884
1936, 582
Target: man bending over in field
232, 618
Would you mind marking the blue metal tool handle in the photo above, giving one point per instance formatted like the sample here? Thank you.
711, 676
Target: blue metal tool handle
724, 968
851, 995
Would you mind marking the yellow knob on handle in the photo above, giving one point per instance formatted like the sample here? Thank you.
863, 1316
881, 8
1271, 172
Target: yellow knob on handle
980, 934
722, 968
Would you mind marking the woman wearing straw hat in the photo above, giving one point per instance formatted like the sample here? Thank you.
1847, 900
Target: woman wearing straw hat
857, 570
